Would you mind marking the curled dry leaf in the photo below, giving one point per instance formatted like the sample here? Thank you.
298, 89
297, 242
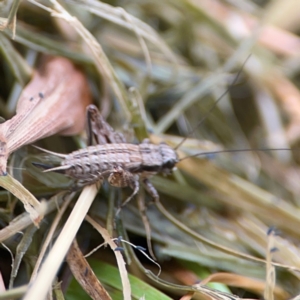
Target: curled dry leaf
53, 102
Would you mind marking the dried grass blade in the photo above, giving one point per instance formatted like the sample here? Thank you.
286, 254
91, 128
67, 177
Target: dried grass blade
270, 270
31, 204
21, 251
101, 61
120, 260
121, 17
43, 281
22, 221
18, 65
50, 235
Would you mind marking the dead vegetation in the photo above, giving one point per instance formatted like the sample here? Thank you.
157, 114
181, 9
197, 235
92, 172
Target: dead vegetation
228, 224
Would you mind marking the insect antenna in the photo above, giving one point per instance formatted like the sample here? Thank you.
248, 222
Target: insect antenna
204, 117
214, 105
235, 150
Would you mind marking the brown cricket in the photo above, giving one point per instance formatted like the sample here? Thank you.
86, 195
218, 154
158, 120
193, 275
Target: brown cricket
113, 159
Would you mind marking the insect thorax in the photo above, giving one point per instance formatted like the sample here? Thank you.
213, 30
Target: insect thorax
169, 158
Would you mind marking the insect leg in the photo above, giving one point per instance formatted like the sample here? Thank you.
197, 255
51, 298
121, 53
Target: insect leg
116, 177
122, 178
151, 190
89, 126
142, 208
100, 129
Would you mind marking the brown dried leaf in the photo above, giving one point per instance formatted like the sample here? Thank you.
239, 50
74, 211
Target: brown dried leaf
84, 274
53, 102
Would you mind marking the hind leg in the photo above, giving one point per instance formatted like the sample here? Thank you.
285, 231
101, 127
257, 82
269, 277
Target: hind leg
98, 128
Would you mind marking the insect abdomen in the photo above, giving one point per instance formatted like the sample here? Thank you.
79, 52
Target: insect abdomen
95, 160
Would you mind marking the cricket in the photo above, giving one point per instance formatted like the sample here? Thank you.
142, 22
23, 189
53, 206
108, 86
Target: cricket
113, 159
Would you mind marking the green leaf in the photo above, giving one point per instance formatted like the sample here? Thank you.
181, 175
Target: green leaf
110, 278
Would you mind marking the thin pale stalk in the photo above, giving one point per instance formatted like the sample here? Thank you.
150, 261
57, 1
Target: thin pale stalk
42, 284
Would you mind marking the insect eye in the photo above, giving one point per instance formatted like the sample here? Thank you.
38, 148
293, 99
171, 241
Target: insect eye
169, 164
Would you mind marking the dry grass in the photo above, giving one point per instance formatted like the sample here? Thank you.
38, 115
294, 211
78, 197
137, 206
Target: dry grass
159, 66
